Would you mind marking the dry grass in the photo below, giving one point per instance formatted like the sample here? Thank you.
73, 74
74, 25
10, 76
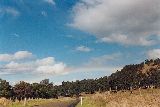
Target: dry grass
32, 102
4, 102
148, 98
8, 103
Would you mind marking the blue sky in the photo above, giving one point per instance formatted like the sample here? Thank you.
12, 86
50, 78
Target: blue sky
75, 39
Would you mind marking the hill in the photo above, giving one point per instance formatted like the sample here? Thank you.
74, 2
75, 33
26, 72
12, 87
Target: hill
134, 76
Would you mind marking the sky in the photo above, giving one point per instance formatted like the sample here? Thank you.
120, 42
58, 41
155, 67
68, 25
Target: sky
68, 40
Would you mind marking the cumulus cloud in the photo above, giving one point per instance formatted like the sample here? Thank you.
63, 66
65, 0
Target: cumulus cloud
9, 11
128, 22
83, 49
14, 67
16, 56
52, 69
50, 66
21, 62
22, 55
46, 65
153, 54
46, 61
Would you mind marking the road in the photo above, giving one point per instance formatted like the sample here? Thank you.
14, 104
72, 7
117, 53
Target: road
60, 104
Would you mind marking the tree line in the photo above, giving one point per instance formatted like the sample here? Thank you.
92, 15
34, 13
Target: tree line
135, 76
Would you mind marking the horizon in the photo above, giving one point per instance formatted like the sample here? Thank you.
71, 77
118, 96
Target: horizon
60, 83
68, 40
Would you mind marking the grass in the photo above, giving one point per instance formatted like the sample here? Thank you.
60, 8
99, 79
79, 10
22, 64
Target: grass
147, 98
29, 103
32, 102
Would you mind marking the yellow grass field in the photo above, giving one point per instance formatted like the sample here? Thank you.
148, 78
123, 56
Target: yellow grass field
30, 103
143, 98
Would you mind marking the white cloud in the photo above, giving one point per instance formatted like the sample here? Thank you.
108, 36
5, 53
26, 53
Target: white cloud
124, 39
83, 49
16, 56
51, 69
100, 63
128, 22
103, 60
46, 61
10, 11
14, 67
109, 69
48, 66
6, 57
44, 66
153, 54
22, 55
50, 2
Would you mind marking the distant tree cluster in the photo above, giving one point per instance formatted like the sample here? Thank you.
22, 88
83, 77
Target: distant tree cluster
141, 75
22, 90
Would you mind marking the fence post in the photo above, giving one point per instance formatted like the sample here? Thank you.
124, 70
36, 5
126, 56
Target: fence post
116, 89
152, 88
24, 104
81, 101
140, 91
131, 89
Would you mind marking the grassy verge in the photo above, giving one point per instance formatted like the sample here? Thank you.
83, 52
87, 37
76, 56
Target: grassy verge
29, 103
147, 98
34, 102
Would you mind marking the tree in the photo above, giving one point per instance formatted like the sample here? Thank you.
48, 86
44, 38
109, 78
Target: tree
5, 89
23, 90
